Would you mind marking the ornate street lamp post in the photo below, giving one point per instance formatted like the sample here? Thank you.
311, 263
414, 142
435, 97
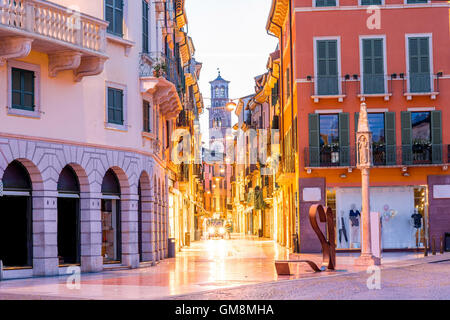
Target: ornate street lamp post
364, 145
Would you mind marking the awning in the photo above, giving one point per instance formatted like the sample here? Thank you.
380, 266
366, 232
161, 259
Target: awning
164, 94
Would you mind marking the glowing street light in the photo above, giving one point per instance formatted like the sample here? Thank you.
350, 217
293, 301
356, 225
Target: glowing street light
231, 106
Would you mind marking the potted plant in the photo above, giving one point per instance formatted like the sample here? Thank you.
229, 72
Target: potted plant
159, 69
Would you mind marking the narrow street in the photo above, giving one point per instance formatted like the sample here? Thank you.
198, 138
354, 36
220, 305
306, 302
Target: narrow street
206, 270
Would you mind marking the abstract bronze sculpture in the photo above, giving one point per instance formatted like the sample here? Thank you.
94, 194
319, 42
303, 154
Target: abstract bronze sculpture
328, 246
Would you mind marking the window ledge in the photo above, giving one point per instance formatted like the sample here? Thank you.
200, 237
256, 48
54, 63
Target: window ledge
364, 96
339, 97
410, 95
116, 127
127, 44
24, 113
148, 135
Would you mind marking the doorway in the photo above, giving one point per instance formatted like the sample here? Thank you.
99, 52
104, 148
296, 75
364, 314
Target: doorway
16, 245
68, 217
111, 219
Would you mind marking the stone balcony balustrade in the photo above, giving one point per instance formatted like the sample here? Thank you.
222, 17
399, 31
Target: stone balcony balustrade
72, 40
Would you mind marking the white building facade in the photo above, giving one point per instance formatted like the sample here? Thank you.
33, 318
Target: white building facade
85, 135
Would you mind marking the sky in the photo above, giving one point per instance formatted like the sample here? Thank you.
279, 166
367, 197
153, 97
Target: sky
230, 35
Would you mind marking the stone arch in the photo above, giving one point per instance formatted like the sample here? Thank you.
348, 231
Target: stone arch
37, 182
82, 176
16, 224
145, 218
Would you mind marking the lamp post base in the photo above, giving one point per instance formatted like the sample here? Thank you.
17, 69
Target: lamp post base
366, 260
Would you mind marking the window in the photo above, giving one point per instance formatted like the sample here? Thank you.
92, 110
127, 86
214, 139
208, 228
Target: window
416, 1
147, 116
288, 83
419, 64
115, 106
145, 26
329, 140
114, 15
377, 127
157, 124
325, 3
422, 137
373, 66
371, 2
22, 89
329, 131
327, 67
167, 134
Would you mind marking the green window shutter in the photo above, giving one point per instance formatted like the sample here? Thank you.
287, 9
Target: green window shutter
314, 141
145, 117
344, 139
406, 138
327, 67
110, 105
114, 15
325, 3
419, 64
436, 136
145, 21
373, 66
371, 2
115, 106
389, 128
22, 90
356, 131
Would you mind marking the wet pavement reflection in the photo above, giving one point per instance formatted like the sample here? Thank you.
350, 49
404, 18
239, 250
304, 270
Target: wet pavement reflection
205, 265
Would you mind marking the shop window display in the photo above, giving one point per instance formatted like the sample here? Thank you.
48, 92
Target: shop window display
403, 216
110, 231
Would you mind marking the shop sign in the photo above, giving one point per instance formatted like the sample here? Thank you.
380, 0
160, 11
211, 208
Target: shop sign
312, 194
441, 191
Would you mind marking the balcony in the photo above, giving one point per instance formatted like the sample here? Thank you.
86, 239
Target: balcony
198, 170
183, 173
374, 86
327, 87
183, 120
383, 156
420, 84
72, 40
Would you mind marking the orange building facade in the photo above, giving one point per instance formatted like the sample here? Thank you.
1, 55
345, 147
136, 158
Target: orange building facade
394, 55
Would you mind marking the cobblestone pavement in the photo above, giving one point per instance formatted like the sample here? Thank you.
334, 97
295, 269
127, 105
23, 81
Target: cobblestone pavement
424, 281
240, 263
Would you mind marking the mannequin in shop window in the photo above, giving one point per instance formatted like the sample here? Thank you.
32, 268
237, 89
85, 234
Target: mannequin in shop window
355, 216
343, 238
417, 224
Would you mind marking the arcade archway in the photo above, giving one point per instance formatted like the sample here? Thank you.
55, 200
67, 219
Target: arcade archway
16, 245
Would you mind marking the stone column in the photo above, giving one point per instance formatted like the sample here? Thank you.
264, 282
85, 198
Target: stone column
364, 147
166, 224
91, 232
160, 229
45, 238
130, 250
156, 226
147, 228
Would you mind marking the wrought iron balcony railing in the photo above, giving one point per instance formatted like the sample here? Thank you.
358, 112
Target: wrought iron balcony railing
327, 85
374, 83
411, 155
